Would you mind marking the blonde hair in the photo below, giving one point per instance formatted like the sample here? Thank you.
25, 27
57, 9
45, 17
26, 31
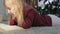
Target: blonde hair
18, 5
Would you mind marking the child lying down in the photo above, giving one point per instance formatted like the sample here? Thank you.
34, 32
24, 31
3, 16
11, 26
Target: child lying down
26, 16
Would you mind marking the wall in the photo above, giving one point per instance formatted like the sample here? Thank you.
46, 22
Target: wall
3, 12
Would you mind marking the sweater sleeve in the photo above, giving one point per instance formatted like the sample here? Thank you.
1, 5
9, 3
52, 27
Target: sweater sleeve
13, 21
28, 20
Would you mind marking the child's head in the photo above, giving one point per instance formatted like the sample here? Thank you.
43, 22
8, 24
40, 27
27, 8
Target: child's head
13, 6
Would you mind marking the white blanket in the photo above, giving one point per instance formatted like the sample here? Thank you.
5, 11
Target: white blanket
4, 27
36, 30
55, 20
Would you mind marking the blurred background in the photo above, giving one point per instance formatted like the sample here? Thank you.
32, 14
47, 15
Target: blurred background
45, 6
42, 6
3, 13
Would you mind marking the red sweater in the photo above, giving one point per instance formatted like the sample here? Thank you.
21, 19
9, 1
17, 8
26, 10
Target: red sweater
32, 18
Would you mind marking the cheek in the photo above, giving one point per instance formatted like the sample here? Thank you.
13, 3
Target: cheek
9, 11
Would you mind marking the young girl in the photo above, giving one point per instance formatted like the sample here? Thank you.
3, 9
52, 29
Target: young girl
24, 15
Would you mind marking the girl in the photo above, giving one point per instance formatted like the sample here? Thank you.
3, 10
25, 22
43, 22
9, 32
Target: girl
24, 15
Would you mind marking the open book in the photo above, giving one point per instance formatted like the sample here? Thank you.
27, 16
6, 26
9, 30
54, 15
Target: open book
4, 27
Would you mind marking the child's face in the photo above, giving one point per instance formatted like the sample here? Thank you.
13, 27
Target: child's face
11, 11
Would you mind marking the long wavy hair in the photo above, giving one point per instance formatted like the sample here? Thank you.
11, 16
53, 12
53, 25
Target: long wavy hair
18, 7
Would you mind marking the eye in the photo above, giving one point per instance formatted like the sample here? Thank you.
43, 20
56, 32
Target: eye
8, 8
